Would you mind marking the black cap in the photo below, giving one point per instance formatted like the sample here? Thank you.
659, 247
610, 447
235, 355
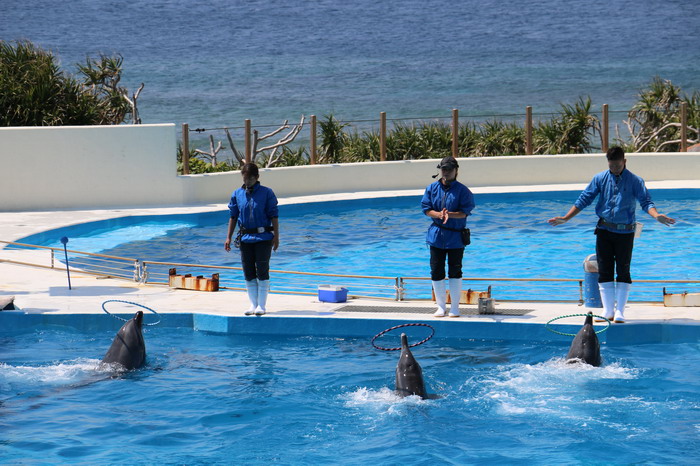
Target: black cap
448, 163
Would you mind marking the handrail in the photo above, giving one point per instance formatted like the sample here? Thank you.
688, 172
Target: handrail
201, 266
507, 279
226, 267
68, 250
378, 277
549, 280
140, 274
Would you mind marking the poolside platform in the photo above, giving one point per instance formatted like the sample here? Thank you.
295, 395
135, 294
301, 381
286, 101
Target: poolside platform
43, 297
42, 294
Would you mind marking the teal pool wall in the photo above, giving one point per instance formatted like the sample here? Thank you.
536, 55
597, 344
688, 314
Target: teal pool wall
633, 333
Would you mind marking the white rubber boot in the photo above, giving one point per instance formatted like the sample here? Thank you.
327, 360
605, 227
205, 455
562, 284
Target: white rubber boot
263, 288
607, 295
455, 295
252, 287
440, 298
622, 292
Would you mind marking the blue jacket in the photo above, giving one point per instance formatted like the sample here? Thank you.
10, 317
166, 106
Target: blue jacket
254, 209
616, 197
458, 198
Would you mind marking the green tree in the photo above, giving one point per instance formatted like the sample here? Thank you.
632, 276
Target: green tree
34, 91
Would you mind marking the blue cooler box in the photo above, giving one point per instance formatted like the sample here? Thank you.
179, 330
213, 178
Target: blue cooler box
332, 294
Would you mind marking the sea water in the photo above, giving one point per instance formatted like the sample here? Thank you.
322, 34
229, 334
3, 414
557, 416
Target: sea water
216, 63
205, 398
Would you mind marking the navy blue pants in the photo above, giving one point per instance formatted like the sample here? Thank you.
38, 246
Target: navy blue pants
614, 251
255, 259
437, 263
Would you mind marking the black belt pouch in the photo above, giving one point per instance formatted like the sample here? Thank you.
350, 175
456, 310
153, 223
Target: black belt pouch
466, 237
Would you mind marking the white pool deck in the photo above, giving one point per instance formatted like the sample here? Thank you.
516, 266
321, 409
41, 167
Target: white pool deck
45, 291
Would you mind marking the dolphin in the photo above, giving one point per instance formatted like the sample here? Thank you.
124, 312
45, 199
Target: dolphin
585, 346
409, 375
128, 347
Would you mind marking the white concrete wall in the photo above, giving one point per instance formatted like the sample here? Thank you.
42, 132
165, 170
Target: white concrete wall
416, 174
51, 168
44, 168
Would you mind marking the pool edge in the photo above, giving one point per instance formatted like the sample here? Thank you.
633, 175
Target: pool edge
633, 333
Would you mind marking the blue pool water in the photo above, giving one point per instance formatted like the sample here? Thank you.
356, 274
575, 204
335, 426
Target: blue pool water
205, 398
386, 237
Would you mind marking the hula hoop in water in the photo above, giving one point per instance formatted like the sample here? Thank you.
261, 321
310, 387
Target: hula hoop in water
128, 302
400, 326
575, 315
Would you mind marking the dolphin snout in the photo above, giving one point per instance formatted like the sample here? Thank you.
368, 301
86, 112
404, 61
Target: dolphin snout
138, 318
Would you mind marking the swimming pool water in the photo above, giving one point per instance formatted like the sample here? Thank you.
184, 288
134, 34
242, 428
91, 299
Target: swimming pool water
386, 237
206, 398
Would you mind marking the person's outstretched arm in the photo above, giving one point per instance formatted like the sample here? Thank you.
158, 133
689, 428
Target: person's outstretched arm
574, 211
666, 220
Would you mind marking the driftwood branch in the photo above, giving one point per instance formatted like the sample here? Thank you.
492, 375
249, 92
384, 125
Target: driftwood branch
255, 145
657, 132
284, 126
275, 150
640, 141
675, 141
631, 127
135, 118
233, 147
289, 137
274, 158
213, 151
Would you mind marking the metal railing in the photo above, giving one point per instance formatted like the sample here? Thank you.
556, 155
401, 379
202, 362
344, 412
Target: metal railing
394, 288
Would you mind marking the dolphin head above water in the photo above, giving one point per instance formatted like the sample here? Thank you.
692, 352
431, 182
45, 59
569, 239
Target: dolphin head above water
128, 347
585, 347
409, 375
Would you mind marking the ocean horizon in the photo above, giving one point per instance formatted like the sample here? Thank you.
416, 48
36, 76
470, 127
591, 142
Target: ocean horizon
217, 63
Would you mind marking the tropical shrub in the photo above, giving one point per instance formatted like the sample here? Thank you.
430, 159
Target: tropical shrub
654, 121
333, 139
467, 139
361, 147
567, 133
499, 138
34, 91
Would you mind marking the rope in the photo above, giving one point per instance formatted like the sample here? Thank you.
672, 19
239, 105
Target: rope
420, 118
399, 326
574, 315
128, 302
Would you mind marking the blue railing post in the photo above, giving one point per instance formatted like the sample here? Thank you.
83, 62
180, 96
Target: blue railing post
64, 240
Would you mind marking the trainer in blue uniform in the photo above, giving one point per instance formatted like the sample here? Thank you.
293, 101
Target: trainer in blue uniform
254, 208
448, 203
618, 191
